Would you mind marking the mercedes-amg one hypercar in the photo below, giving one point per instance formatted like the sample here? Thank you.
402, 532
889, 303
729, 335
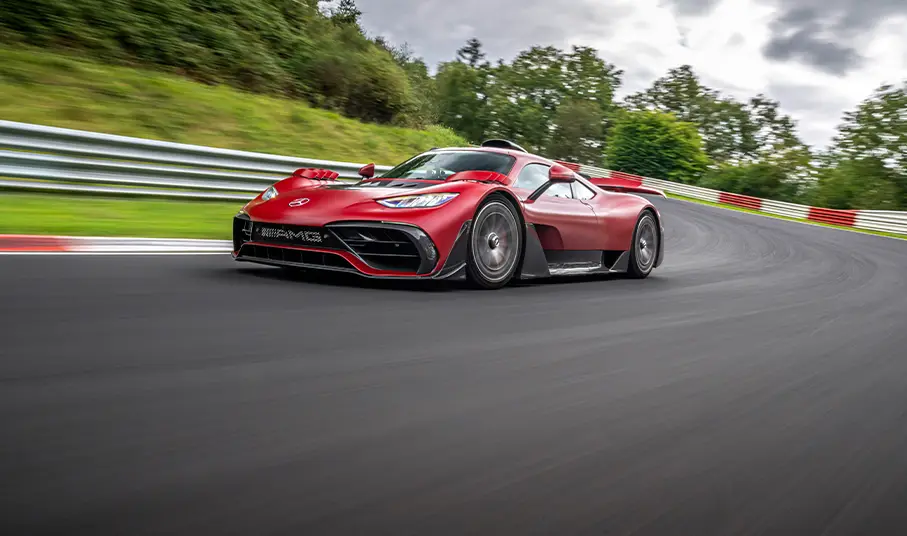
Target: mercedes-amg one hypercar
488, 214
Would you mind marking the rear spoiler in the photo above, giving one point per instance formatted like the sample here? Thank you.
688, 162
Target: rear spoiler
628, 186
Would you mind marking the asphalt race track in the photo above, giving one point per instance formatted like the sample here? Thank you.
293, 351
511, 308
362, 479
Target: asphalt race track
757, 384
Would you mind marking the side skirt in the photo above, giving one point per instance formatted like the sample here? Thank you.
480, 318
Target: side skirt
588, 262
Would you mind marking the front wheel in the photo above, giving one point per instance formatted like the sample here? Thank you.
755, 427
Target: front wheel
495, 244
644, 248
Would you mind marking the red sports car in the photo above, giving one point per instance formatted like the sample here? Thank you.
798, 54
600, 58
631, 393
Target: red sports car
488, 214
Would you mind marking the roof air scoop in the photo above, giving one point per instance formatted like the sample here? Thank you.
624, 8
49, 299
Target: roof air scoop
503, 144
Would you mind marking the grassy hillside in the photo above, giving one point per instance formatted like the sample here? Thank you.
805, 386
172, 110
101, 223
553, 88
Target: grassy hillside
291, 48
64, 91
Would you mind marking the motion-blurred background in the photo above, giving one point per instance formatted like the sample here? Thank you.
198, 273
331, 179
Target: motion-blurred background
305, 79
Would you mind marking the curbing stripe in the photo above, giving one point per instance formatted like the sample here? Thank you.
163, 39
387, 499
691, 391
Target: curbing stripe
32, 243
745, 201
24, 244
845, 218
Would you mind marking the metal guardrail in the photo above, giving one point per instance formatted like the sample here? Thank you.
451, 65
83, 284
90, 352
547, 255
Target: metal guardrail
888, 221
35, 157
882, 220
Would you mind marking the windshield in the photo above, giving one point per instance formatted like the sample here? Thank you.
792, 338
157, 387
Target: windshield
439, 166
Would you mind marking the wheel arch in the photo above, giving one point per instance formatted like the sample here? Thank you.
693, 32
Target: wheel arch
518, 206
659, 255
501, 197
507, 194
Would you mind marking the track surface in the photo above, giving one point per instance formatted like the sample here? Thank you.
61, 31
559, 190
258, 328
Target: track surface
757, 384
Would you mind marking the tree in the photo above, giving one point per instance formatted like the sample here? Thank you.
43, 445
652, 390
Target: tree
752, 147
462, 100
679, 93
732, 132
577, 136
869, 154
656, 144
463, 92
859, 184
775, 138
377, 92
471, 54
723, 124
346, 12
423, 109
588, 78
526, 96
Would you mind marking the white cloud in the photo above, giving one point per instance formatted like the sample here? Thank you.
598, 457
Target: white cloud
740, 47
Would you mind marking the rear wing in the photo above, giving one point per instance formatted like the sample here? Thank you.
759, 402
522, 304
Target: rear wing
629, 186
616, 181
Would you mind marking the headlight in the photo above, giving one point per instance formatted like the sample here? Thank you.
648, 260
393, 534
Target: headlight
269, 194
417, 201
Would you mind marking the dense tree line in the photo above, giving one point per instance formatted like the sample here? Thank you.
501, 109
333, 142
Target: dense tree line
560, 103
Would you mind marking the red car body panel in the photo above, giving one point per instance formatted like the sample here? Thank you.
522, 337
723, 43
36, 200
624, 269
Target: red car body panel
618, 213
564, 224
327, 206
313, 199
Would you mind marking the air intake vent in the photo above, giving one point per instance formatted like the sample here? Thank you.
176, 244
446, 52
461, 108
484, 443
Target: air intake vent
295, 256
242, 231
382, 248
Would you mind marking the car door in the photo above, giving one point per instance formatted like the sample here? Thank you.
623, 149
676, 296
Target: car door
563, 222
595, 201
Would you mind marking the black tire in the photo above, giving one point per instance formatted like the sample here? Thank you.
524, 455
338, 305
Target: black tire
495, 244
644, 248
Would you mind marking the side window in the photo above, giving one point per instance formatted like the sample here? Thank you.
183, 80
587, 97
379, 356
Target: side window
560, 189
532, 176
582, 191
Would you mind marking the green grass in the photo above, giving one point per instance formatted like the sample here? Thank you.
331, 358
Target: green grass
65, 91
76, 215
742, 209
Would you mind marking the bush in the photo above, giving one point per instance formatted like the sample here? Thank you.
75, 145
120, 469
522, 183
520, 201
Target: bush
763, 180
657, 145
859, 184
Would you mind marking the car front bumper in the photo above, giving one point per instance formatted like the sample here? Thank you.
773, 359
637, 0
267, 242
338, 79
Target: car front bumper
368, 248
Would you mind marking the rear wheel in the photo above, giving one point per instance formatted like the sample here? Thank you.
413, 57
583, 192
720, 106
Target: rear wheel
495, 244
644, 248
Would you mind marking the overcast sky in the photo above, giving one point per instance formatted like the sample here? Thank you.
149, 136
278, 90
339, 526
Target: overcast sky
817, 57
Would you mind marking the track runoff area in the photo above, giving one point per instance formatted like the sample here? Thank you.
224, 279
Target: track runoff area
753, 384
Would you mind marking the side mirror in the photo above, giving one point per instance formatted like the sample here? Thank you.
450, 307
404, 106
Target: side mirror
559, 173
367, 171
